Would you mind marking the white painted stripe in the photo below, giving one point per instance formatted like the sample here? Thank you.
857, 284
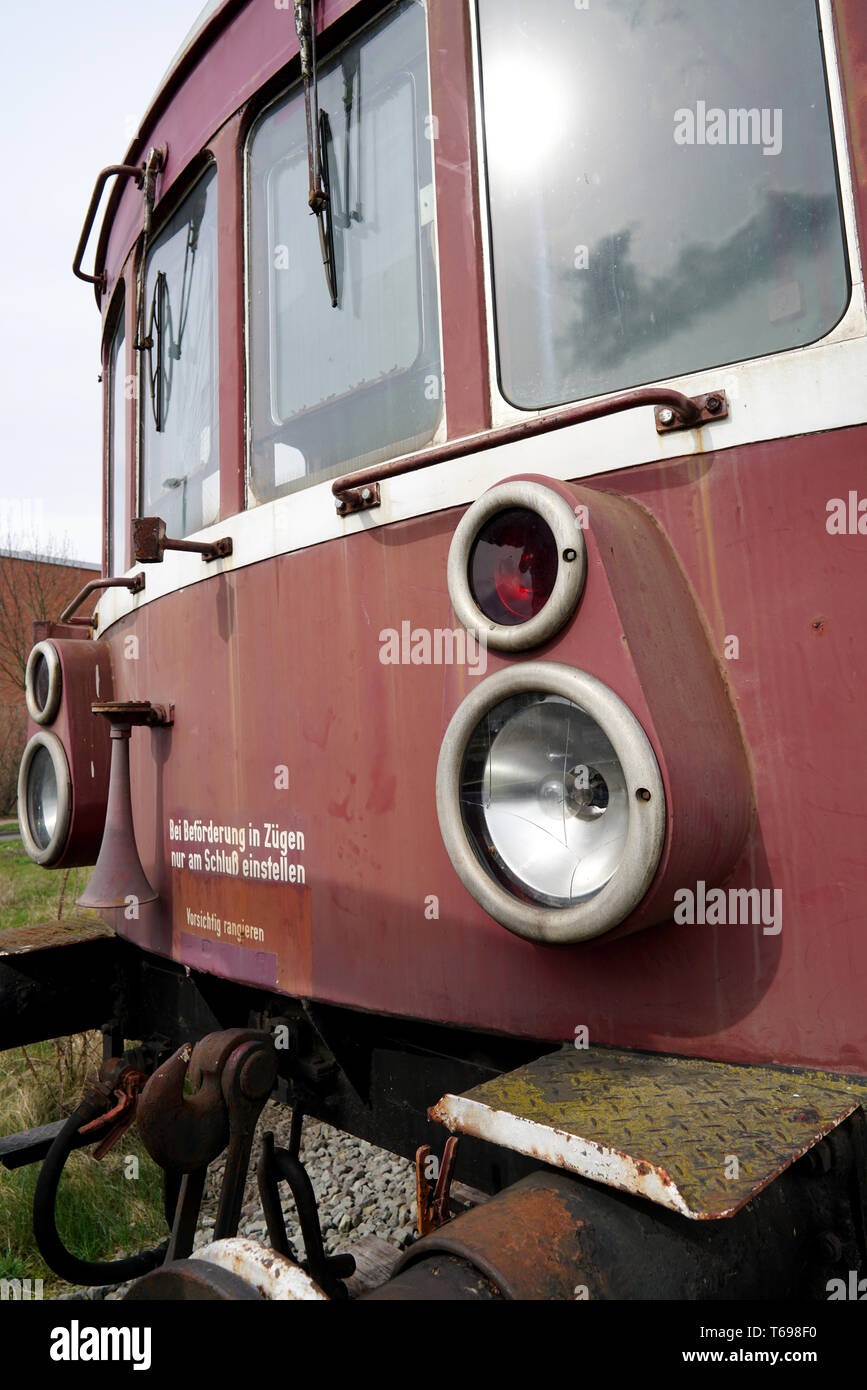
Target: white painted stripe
561, 1148
801, 392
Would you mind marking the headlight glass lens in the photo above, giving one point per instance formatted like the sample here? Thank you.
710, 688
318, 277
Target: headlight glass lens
41, 681
544, 799
42, 798
513, 566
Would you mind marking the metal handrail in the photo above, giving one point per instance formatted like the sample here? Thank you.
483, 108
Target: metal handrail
675, 410
135, 584
131, 171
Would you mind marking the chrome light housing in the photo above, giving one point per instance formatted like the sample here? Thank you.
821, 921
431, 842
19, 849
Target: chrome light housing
43, 682
44, 798
551, 803
518, 530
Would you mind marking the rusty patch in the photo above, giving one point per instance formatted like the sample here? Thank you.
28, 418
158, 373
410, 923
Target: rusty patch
661, 1127
44, 936
528, 1241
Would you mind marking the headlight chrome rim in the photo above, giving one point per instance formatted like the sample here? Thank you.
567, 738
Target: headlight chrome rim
46, 855
571, 574
645, 836
47, 652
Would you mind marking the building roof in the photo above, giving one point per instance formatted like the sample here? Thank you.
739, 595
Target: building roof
51, 560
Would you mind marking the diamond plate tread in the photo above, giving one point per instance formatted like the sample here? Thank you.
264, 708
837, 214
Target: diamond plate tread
699, 1137
66, 931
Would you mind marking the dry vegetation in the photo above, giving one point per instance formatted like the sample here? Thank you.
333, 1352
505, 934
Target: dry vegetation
102, 1206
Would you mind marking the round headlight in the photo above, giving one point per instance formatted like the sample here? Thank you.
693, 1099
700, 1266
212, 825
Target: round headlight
550, 802
44, 798
42, 683
517, 565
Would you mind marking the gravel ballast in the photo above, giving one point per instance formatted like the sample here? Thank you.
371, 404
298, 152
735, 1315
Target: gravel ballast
361, 1191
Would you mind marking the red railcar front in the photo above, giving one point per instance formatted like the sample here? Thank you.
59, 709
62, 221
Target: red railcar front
502, 373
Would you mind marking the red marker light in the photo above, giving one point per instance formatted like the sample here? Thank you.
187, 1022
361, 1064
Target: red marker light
513, 566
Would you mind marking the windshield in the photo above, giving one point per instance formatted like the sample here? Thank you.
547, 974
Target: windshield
332, 385
663, 190
180, 453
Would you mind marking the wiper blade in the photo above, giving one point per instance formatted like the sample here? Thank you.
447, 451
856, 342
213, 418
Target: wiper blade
317, 136
324, 211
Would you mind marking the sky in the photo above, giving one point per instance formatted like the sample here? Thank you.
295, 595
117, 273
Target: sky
76, 80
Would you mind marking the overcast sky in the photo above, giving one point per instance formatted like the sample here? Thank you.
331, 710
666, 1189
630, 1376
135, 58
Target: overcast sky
77, 78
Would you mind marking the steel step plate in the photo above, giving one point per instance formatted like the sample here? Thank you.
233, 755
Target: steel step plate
699, 1137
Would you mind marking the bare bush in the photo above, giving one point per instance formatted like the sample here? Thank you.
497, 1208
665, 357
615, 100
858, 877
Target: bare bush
35, 584
13, 735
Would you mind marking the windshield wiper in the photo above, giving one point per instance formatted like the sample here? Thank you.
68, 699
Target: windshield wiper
325, 213
317, 138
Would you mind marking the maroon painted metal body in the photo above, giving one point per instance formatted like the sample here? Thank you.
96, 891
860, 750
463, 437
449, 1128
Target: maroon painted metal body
363, 777
262, 677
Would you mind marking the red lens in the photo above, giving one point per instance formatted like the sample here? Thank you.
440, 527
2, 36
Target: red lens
513, 566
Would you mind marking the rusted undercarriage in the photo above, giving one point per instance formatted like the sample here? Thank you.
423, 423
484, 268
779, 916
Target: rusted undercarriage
796, 1200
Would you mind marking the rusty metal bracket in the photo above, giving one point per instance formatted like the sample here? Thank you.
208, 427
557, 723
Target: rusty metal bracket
150, 543
232, 1074
134, 712
358, 499
432, 1201
127, 1083
712, 406
135, 583
185, 1132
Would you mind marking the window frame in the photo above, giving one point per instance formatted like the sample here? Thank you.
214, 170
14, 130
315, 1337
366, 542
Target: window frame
203, 164
269, 98
115, 317
849, 325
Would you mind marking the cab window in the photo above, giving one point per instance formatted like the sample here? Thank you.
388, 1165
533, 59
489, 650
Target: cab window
180, 479
118, 521
663, 190
334, 385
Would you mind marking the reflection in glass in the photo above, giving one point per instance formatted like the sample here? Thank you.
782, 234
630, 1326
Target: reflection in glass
544, 800
334, 385
42, 797
637, 235
513, 566
180, 469
117, 459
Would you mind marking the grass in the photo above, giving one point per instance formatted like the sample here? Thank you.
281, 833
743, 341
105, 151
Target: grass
29, 893
101, 1207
